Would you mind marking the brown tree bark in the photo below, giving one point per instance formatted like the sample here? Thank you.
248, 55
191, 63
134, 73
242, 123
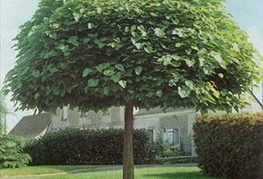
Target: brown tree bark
128, 161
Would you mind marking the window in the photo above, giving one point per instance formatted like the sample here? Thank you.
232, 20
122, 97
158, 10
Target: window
64, 115
172, 137
153, 135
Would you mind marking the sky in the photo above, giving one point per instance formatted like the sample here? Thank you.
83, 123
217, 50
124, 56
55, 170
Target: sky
13, 13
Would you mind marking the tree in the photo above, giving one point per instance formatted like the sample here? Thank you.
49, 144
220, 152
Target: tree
11, 154
146, 53
3, 112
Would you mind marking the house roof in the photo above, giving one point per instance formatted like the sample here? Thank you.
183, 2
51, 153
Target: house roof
256, 99
158, 110
32, 126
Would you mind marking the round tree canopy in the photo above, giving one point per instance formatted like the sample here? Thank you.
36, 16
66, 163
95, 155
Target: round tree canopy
94, 54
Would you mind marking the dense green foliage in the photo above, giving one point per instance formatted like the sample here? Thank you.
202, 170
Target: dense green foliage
167, 53
74, 146
11, 152
231, 145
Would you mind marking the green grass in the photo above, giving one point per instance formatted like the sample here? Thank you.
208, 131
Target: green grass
154, 172
51, 169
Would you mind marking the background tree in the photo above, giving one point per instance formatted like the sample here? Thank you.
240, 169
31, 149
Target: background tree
3, 113
11, 154
146, 53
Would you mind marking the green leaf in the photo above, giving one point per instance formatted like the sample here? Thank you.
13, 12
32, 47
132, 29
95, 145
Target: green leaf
207, 69
93, 82
116, 77
123, 83
73, 40
150, 94
19, 85
99, 10
108, 72
159, 32
77, 16
106, 90
184, 92
217, 57
135, 42
224, 92
37, 95
215, 92
148, 49
120, 67
178, 32
159, 93
178, 44
189, 62
201, 62
36, 73
175, 21
49, 54
126, 29
86, 40
86, 72
138, 70
55, 25
102, 67
190, 84
90, 25
55, 89
221, 75
142, 29
101, 42
173, 81
63, 48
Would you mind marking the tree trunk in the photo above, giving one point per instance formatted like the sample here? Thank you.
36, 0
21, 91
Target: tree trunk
128, 162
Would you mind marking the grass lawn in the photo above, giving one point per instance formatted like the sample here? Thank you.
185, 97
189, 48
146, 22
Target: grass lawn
51, 169
154, 172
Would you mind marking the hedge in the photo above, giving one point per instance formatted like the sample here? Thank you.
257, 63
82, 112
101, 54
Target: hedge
230, 145
75, 147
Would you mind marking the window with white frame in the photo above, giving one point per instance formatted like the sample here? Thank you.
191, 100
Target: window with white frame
172, 137
152, 135
65, 111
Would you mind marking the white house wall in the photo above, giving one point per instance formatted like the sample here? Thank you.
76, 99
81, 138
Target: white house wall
148, 122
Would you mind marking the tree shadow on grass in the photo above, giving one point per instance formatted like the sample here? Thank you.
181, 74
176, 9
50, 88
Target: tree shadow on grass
180, 175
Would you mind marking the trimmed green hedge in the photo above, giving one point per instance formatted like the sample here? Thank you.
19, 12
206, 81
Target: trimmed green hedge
230, 145
74, 146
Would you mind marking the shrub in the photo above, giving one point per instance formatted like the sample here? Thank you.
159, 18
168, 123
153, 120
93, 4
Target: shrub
230, 145
11, 152
74, 146
165, 150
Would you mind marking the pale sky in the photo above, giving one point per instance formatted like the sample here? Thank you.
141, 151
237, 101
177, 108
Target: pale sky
247, 13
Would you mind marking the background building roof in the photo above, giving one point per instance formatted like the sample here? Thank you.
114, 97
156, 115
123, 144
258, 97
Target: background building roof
32, 126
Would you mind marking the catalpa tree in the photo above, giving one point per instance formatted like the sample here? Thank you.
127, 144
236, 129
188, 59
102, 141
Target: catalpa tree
94, 54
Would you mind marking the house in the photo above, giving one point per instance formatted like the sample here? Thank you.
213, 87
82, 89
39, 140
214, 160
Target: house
33, 126
173, 126
254, 105
37, 125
